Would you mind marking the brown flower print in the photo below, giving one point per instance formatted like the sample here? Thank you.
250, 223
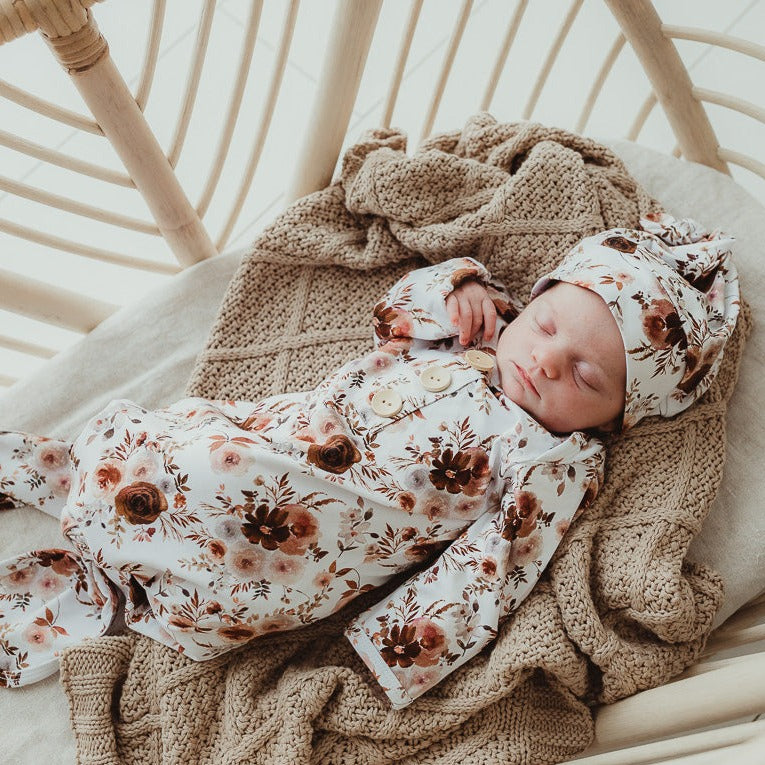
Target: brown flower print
336, 455
140, 503
390, 323
400, 646
266, 527
480, 472
421, 549
620, 243
60, 561
237, 633
697, 363
304, 530
451, 471
662, 325
521, 517
106, 476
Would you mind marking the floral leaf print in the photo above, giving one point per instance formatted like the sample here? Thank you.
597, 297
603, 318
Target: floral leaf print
48, 621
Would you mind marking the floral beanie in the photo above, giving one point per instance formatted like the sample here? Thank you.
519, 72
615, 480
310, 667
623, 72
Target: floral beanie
673, 290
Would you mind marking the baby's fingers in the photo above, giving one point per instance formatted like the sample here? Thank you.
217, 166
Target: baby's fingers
489, 317
461, 315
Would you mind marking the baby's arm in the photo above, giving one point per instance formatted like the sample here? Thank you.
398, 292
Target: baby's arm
444, 615
415, 306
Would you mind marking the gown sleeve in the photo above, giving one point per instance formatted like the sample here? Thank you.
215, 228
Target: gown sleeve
447, 613
415, 306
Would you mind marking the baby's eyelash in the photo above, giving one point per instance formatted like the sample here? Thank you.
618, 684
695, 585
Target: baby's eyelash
579, 375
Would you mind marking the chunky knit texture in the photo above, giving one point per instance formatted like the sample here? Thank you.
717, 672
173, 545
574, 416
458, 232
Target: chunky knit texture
618, 610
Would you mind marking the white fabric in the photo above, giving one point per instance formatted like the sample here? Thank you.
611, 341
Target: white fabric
146, 352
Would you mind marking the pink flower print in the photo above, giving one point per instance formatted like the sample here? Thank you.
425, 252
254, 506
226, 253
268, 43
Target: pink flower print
48, 585
231, 458
396, 346
52, 456
284, 569
420, 679
304, 530
432, 640
377, 362
60, 483
327, 423
433, 505
19, 580
527, 549
245, 563
561, 527
277, 623
143, 466
322, 579
257, 421
467, 508
228, 528
355, 532
38, 637
105, 478
67, 523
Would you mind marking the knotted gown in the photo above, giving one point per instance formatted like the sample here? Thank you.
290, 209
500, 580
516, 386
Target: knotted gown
209, 523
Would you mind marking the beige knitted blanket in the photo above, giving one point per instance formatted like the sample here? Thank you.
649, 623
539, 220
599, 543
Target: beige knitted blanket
618, 609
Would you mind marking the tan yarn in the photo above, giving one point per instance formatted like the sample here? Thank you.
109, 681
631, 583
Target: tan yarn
618, 609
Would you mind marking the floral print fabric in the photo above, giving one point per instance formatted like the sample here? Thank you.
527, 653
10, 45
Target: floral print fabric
210, 523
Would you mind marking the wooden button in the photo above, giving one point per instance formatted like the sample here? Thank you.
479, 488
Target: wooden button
386, 402
479, 360
435, 378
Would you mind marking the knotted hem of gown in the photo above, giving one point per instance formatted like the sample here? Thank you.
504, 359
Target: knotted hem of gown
49, 600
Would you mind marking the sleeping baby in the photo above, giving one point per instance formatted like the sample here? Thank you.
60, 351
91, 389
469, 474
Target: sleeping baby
462, 447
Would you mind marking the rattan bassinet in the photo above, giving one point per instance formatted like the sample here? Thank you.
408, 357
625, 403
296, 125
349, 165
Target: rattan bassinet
709, 714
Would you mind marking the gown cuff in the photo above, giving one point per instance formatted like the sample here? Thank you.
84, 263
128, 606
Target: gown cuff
370, 655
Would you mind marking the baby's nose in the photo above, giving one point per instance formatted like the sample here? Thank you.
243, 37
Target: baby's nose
549, 361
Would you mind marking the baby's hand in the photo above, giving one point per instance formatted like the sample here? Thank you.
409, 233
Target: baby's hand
470, 308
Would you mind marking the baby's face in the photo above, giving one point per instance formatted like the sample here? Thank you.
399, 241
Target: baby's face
562, 360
